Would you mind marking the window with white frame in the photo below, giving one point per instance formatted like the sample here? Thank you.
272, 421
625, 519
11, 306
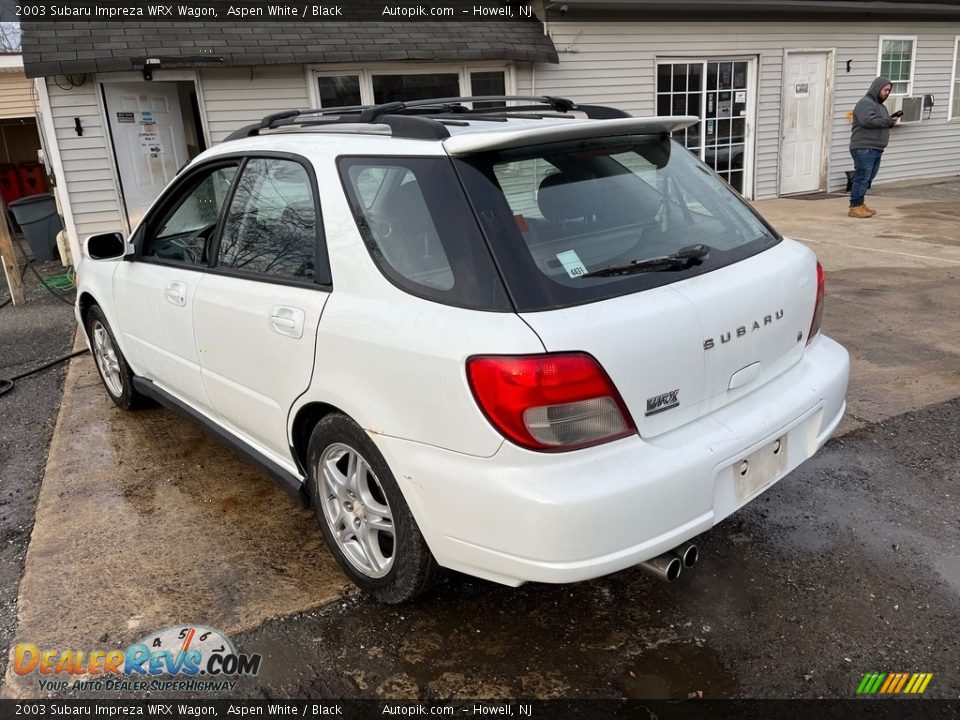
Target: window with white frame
367, 86
896, 61
955, 86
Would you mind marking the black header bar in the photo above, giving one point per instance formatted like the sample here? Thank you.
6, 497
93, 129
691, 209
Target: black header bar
219, 11
887, 709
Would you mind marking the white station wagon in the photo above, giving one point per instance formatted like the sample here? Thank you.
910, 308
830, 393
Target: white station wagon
536, 342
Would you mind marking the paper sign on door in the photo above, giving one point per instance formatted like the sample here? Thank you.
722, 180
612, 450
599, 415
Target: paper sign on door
149, 141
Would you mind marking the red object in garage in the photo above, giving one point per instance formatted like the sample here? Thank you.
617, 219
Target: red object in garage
32, 178
9, 183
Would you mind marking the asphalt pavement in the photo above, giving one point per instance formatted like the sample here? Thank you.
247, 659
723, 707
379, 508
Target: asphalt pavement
850, 565
847, 566
30, 335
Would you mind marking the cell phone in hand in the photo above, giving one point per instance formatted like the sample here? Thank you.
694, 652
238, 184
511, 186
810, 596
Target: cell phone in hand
898, 113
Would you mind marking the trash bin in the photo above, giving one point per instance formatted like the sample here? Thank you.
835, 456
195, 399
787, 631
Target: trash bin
9, 183
38, 219
33, 180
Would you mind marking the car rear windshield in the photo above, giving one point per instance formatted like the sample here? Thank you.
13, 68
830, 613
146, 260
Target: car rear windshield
554, 213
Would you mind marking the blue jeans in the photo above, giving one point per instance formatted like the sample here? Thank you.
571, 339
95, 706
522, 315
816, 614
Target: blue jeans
866, 165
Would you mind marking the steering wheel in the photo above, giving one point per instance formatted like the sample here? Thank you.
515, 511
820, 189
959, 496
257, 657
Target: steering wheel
193, 244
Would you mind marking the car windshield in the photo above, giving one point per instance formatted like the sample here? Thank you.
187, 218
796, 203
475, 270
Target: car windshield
555, 213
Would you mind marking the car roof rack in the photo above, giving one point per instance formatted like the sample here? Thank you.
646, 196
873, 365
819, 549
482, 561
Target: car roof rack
427, 119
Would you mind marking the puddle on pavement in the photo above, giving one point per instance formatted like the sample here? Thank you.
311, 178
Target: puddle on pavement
609, 638
932, 222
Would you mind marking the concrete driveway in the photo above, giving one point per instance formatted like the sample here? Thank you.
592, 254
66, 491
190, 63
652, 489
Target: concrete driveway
144, 522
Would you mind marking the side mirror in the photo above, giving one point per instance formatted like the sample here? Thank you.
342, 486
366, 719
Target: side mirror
106, 246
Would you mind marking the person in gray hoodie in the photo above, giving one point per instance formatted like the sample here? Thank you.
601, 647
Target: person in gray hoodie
868, 140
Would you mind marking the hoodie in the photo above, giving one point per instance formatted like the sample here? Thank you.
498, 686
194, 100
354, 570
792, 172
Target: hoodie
871, 121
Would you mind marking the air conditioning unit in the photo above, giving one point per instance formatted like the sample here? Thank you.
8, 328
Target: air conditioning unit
912, 106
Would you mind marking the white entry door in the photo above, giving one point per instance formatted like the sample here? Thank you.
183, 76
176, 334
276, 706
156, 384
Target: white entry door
148, 139
805, 93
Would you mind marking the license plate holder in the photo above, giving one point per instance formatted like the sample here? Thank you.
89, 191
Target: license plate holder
760, 469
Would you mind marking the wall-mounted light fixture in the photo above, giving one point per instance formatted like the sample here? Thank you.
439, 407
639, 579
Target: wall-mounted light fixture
149, 65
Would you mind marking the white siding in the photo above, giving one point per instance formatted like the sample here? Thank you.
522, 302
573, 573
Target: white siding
230, 98
614, 63
236, 97
87, 163
16, 95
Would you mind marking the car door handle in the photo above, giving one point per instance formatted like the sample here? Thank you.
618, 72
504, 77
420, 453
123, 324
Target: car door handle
287, 321
176, 293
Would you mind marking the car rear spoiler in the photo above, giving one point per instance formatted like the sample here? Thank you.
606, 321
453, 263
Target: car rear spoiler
469, 143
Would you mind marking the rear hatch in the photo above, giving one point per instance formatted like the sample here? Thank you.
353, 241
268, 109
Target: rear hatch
630, 249
678, 352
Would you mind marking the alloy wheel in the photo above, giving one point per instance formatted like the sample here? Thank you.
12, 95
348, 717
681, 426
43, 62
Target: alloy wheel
106, 356
356, 510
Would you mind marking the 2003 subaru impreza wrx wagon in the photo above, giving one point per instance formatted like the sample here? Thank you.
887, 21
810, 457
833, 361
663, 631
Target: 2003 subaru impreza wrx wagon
534, 342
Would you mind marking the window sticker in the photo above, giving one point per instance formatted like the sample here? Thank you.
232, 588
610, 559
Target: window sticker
571, 263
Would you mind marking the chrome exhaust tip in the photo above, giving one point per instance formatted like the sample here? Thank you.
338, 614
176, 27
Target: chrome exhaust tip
666, 567
688, 554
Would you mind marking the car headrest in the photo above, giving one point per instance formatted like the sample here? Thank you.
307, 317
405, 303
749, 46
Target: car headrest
561, 197
408, 210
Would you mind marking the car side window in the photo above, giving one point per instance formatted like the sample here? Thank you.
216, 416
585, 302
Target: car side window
271, 224
401, 224
188, 225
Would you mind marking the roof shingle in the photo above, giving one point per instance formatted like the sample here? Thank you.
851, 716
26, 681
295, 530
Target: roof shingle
55, 48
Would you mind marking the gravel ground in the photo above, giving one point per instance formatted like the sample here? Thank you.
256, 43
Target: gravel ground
30, 335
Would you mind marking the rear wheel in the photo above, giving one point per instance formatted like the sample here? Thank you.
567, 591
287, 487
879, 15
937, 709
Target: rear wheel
114, 371
363, 516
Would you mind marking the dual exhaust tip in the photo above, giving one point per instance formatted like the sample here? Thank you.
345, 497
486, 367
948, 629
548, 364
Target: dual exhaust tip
669, 565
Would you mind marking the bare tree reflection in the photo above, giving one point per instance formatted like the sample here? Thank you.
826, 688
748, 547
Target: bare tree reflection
271, 222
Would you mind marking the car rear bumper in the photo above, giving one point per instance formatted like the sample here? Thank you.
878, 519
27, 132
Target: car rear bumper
524, 516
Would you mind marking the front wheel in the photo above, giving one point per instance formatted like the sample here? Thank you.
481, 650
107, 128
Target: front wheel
364, 518
116, 375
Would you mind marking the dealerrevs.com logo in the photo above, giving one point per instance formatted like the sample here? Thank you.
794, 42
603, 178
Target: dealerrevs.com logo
182, 658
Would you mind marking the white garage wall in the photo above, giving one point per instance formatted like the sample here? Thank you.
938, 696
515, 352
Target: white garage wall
614, 63
87, 164
236, 97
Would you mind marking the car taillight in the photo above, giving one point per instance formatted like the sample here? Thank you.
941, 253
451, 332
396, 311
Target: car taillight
818, 307
549, 402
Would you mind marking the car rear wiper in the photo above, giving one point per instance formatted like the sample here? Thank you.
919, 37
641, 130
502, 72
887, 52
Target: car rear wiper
680, 260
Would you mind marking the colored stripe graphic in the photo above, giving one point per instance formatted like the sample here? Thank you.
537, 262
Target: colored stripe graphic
891, 681
862, 687
914, 683
894, 683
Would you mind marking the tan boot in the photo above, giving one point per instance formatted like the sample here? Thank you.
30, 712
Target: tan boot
860, 211
869, 209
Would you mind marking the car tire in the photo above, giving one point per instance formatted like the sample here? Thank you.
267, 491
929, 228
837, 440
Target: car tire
364, 518
115, 373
